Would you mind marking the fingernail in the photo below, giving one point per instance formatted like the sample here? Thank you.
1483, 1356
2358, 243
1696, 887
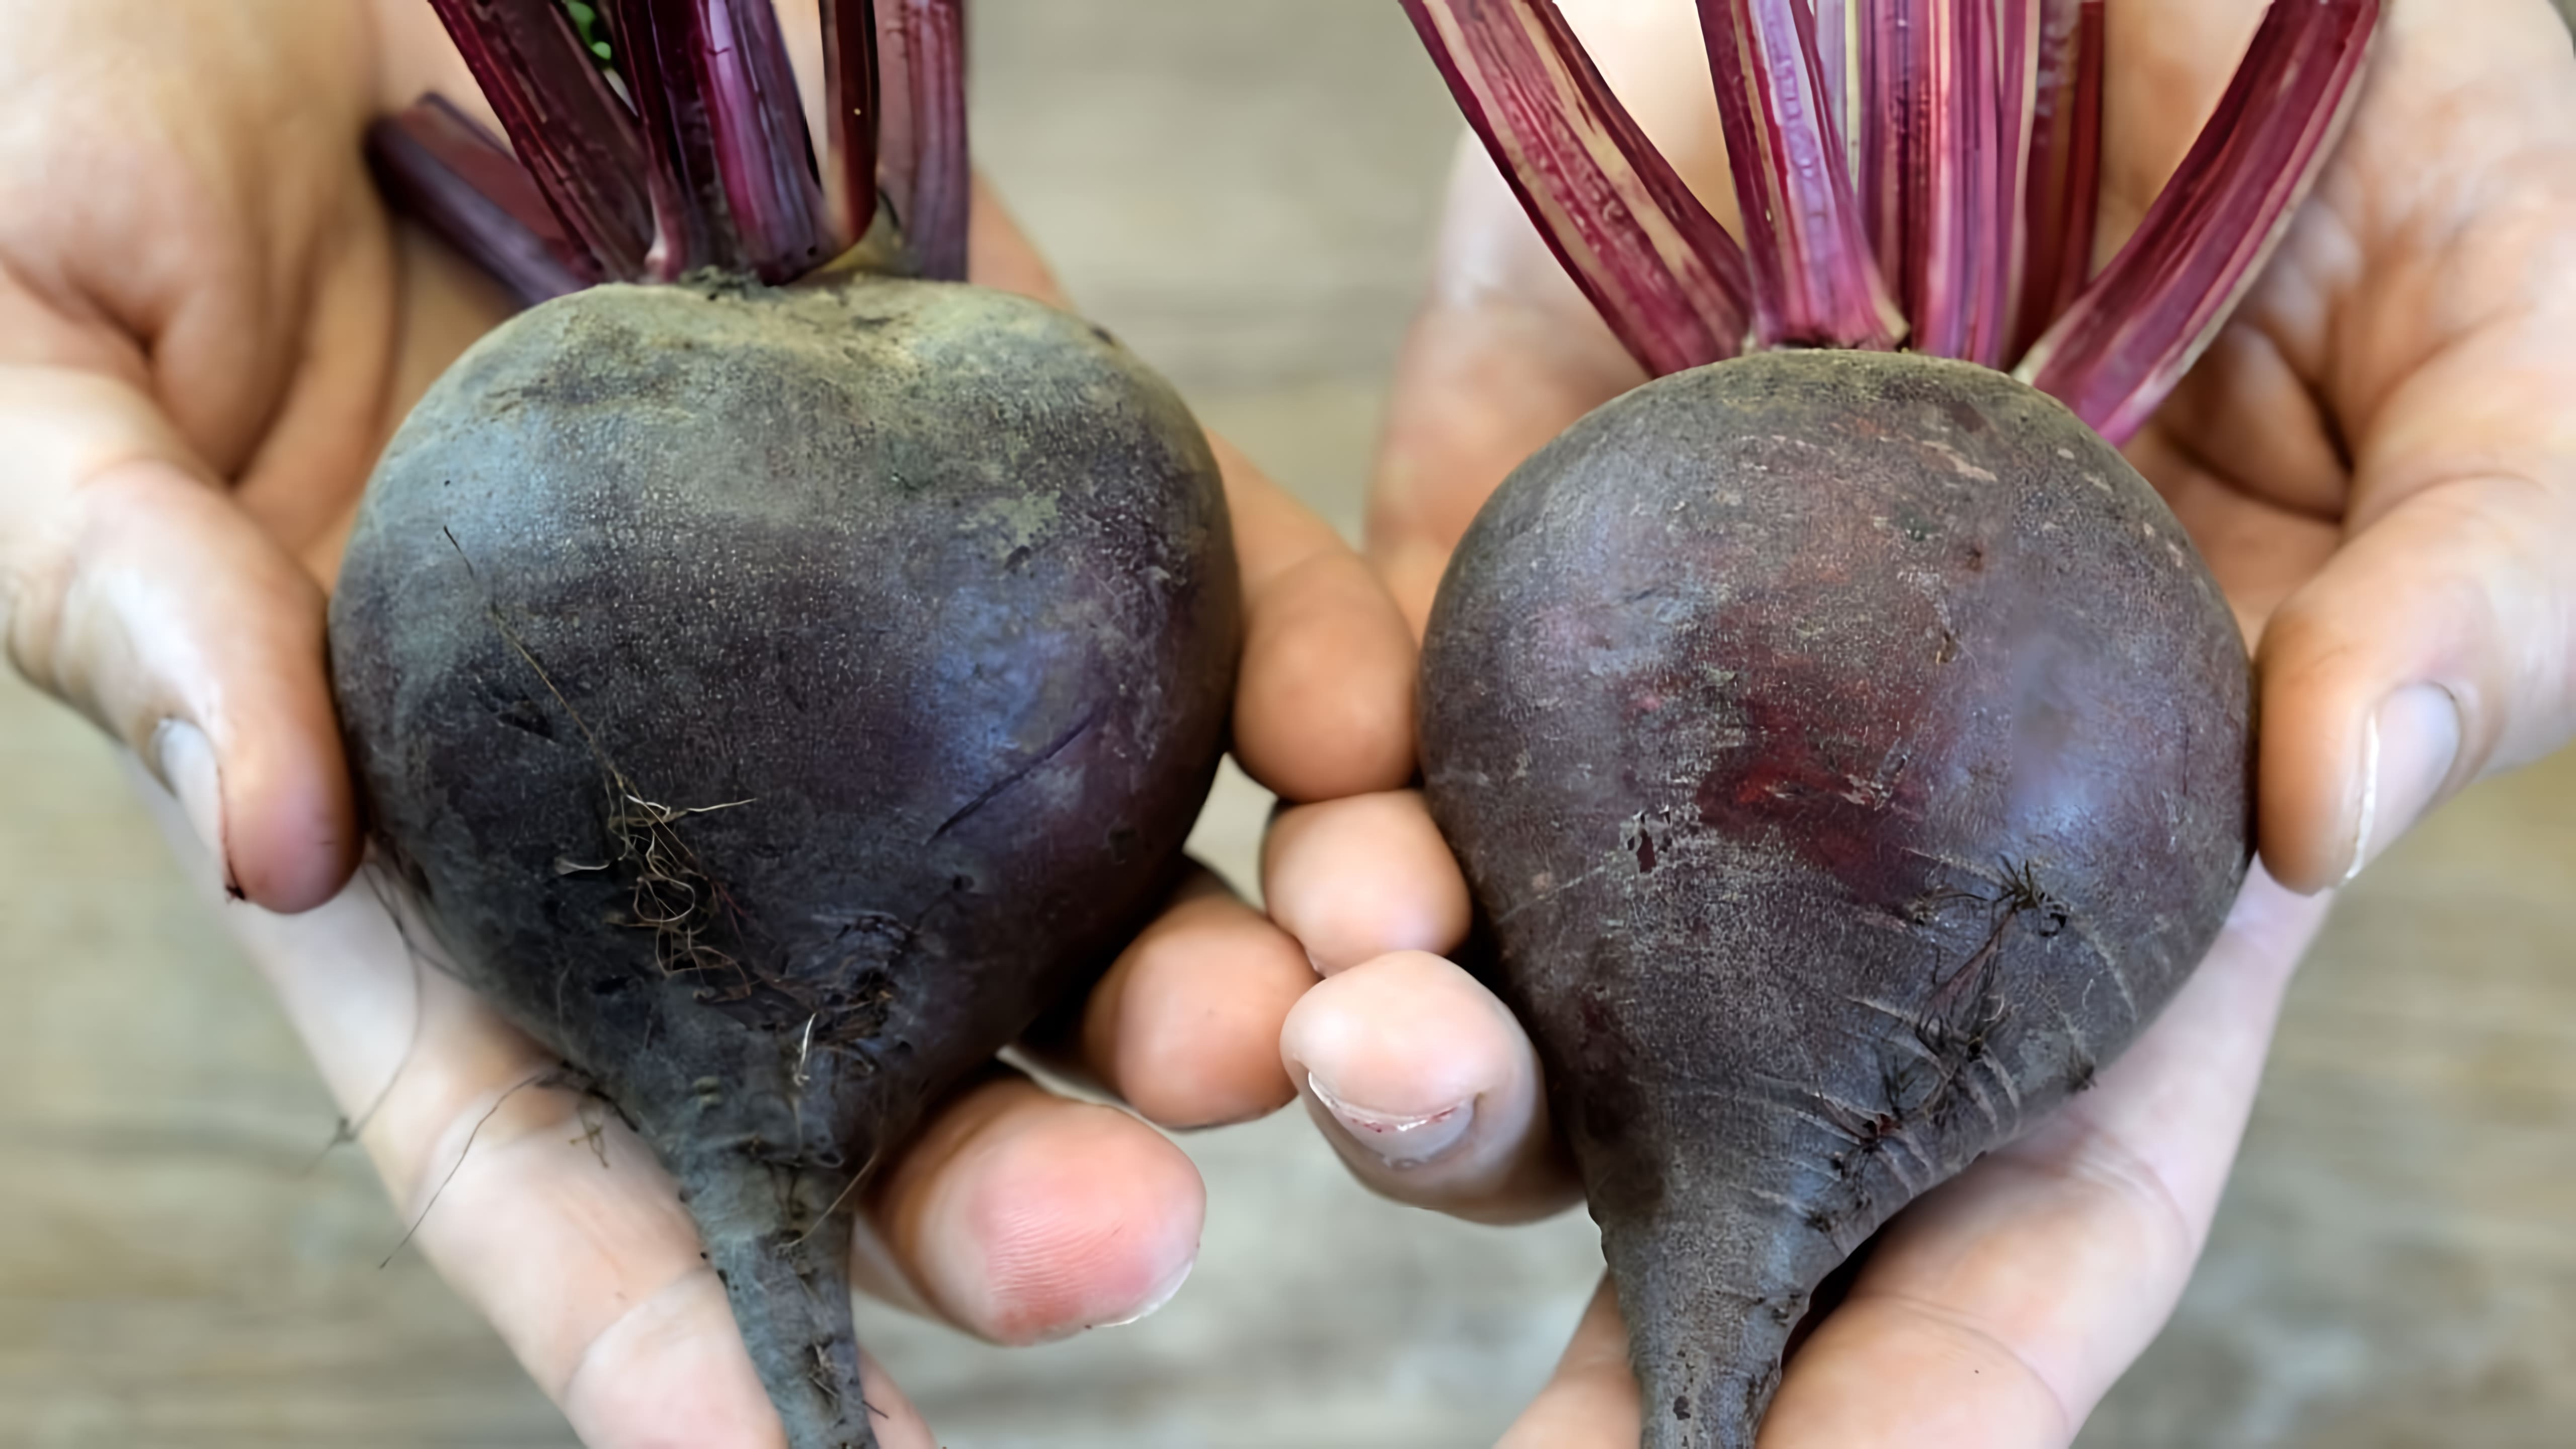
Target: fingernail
1403, 1139
185, 760
2409, 747
1169, 1289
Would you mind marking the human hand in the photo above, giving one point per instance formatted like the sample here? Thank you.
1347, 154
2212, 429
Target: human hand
207, 329
2376, 462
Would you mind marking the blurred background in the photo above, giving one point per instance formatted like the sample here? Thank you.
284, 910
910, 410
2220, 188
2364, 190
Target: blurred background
1245, 193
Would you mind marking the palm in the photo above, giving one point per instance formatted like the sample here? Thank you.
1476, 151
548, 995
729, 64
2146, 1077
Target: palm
275, 362
2257, 451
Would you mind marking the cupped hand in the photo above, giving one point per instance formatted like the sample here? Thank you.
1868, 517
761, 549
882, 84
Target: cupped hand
207, 329
2378, 458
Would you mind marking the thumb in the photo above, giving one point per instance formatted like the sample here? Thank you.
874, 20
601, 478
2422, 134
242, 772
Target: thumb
2438, 647
133, 589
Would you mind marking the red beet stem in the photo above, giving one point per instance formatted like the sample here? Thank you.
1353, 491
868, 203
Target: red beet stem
1879, 64
921, 130
2006, 224
2129, 338
761, 149
656, 44
1944, 217
1667, 278
1836, 50
2065, 168
576, 138
850, 117
1814, 283
439, 167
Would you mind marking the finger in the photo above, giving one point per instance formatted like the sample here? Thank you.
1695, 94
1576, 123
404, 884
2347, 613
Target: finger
135, 591
1997, 1311
2438, 647
1184, 1027
1428, 1089
1359, 878
1024, 1218
1591, 1401
1323, 706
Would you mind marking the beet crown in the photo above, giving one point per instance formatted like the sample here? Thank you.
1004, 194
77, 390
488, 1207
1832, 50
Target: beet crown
655, 138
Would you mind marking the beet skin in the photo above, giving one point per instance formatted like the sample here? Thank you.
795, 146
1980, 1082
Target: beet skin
776, 699
1851, 755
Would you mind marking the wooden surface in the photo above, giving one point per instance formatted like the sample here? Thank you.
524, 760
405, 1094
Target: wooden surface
1244, 192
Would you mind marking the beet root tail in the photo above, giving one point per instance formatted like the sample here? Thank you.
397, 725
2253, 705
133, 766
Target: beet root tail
778, 1237
1709, 1324
1721, 1239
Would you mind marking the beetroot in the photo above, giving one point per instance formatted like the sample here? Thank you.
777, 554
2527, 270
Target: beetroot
1830, 836
1848, 750
775, 697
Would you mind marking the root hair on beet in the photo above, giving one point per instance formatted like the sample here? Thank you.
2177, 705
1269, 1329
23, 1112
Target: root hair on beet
348, 1130
548, 1079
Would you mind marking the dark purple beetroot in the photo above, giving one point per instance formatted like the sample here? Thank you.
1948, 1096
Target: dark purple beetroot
1851, 754
775, 696
776, 699
1849, 751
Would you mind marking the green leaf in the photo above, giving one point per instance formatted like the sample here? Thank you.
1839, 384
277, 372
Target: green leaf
585, 18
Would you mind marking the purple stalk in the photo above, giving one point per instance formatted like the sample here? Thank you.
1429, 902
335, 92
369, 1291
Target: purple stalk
1896, 178
761, 149
1942, 216
1974, 93
850, 110
2065, 165
1925, 130
1667, 278
2006, 225
1836, 54
570, 130
1814, 282
921, 130
2130, 337
437, 166
1883, 82
656, 43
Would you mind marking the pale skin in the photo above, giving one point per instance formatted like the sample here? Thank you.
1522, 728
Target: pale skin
2379, 460
207, 327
